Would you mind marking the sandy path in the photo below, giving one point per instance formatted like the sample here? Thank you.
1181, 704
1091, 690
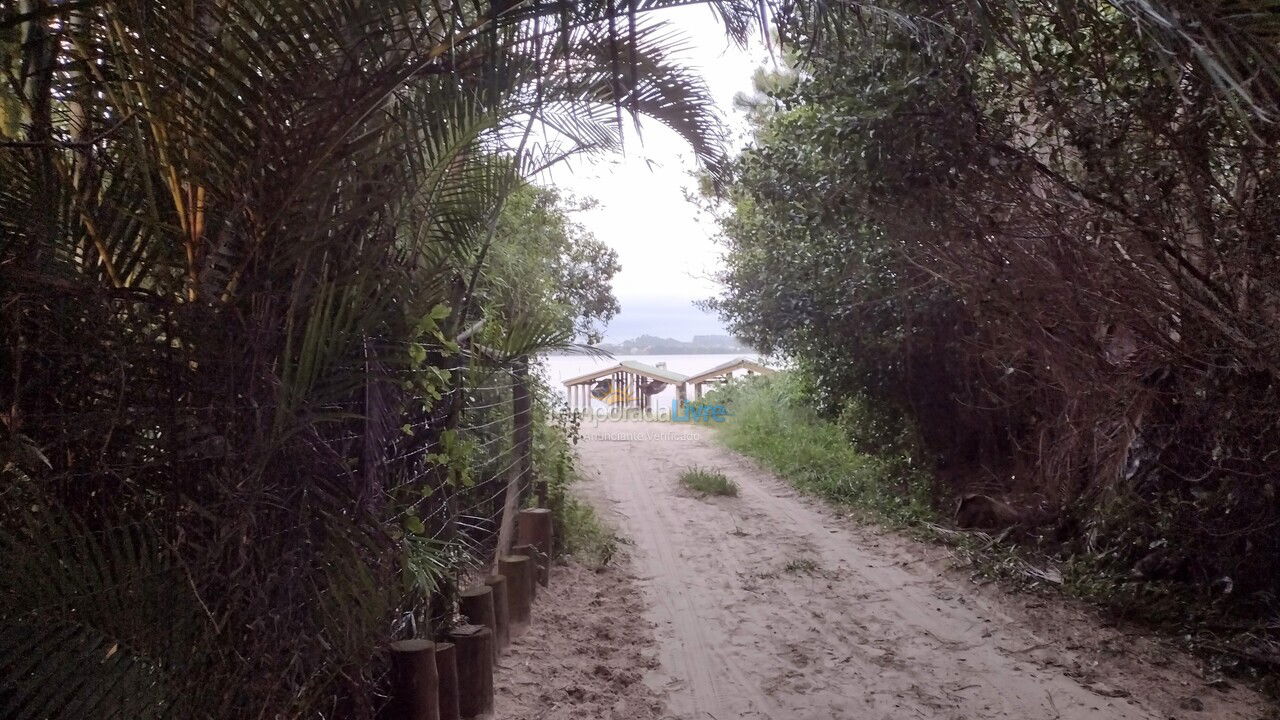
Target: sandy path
585, 655
770, 605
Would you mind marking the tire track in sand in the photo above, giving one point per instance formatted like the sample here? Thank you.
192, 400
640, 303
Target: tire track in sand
870, 626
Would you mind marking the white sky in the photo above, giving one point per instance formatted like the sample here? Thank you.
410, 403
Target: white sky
664, 243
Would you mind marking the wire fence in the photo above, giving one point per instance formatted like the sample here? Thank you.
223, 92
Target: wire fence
220, 450
494, 433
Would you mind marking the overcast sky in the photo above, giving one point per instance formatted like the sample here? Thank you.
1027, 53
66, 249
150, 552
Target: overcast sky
664, 243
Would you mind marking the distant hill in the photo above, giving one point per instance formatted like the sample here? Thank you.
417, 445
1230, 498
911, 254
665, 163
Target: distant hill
700, 345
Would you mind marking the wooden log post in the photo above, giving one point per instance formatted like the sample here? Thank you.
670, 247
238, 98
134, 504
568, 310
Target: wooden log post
415, 684
527, 551
501, 613
447, 670
537, 561
476, 602
534, 528
517, 569
473, 651
522, 424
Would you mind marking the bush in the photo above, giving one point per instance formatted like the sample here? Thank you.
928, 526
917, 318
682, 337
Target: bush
1044, 253
772, 420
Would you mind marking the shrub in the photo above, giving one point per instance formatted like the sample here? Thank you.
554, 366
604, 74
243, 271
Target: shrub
772, 420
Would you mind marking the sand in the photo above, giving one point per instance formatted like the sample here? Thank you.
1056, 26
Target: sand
772, 605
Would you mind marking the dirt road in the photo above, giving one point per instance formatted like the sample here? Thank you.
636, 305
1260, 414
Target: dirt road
770, 605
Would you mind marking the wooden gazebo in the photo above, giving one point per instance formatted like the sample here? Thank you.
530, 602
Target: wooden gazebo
627, 384
723, 372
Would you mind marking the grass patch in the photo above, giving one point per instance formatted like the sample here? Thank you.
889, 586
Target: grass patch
583, 535
708, 482
772, 420
801, 566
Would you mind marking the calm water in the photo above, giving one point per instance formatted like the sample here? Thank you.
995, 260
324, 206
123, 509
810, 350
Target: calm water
558, 368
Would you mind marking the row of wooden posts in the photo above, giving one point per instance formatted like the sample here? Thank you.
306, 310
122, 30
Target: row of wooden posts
453, 679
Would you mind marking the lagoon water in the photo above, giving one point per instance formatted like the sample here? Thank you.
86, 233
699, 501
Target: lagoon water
558, 368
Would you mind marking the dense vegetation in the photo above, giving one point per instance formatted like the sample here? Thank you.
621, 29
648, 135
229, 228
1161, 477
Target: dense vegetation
262, 262
1036, 241
773, 419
